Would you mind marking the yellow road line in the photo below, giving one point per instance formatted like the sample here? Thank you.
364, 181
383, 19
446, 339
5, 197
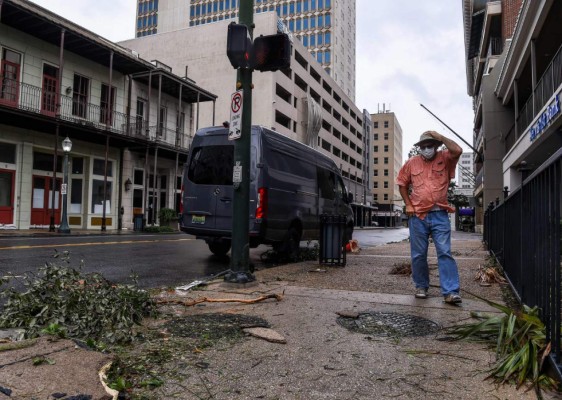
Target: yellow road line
88, 244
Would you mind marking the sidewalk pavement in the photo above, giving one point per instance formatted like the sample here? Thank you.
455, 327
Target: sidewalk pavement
320, 357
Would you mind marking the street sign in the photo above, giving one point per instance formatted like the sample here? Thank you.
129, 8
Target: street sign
235, 130
237, 173
63, 188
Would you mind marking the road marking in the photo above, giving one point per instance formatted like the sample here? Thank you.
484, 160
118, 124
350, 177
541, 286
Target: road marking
88, 244
407, 256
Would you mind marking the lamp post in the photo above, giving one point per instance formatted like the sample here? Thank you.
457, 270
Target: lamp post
66, 147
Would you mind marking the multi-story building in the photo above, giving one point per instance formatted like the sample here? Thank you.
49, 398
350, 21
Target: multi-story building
326, 28
514, 60
465, 175
130, 123
386, 161
302, 102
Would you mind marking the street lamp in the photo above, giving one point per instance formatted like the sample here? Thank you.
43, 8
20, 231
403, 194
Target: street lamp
66, 147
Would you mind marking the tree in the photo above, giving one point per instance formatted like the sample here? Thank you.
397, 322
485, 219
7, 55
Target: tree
458, 200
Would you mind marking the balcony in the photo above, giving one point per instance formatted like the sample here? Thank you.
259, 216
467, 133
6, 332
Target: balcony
547, 86
34, 99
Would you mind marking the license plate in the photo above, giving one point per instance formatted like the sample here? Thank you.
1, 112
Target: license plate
197, 219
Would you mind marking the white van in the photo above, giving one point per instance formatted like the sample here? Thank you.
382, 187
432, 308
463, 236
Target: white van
291, 185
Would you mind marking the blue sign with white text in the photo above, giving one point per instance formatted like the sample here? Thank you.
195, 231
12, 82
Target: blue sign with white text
546, 118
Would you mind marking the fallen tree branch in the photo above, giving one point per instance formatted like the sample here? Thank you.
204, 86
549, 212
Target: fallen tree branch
189, 303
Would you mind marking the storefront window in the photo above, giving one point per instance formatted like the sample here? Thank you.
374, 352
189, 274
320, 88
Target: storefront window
98, 196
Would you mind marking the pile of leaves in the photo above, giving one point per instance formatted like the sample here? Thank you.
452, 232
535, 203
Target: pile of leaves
490, 273
520, 340
81, 306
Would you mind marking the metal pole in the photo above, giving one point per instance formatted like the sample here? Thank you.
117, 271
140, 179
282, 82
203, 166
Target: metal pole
57, 115
456, 134
240, 259
103, 226
63, 227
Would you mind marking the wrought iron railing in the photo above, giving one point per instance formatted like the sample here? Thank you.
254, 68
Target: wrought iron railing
73, 109
524, 233
546, 87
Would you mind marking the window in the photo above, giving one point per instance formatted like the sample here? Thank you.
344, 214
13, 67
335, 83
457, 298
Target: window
376, 172
98, 196
375, 185
81, 89
385, 172
376, 160
386, 148
99, 167
7, 153
386, 160
376, 197
77, 165
386, 196
162, 121
386, 184
138, 175
386, 124
44, 162
9, 77
386, 136
211, 165
376, 136
376, 148
376, 124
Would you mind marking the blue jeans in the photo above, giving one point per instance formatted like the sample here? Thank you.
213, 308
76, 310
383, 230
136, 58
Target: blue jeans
437, 225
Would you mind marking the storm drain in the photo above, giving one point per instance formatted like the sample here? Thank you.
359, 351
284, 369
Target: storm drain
388, 324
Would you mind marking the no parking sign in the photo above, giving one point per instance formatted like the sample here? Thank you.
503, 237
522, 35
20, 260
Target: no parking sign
236, 101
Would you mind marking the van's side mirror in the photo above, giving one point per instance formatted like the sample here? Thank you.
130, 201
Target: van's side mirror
350, 198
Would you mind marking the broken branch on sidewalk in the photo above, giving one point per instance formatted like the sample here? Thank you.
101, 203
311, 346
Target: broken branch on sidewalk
190, 303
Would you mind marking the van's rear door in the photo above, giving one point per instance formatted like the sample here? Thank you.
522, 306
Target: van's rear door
208, 192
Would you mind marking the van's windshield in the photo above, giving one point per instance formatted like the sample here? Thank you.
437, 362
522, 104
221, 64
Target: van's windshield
211, 165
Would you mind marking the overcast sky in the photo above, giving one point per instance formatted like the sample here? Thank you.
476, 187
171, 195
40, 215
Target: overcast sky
408, 52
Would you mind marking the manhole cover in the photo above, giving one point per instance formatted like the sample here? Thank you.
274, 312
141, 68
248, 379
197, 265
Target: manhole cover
213, 326
389, 324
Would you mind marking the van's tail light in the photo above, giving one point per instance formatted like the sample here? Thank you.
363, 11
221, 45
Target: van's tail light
181, 200
261, 210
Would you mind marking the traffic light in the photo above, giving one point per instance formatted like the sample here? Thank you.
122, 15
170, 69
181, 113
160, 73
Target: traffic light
271, 52
239, 45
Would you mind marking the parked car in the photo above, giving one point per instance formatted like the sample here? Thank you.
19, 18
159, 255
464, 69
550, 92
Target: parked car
291, 185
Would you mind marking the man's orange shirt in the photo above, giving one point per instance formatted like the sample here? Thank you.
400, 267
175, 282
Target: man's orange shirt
429, 180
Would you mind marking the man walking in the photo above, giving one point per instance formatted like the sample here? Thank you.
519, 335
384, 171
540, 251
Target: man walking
429, 174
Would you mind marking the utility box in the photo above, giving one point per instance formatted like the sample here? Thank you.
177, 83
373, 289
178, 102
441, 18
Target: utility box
332, 231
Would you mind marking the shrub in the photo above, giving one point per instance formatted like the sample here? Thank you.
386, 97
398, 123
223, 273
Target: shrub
167, 215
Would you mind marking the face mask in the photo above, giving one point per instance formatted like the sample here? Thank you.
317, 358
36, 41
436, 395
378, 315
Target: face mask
428, 153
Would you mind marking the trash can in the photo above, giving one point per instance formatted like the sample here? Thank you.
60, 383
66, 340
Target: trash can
138, 222
332, 231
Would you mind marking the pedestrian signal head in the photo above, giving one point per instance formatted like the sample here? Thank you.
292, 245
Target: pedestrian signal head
271, 52
239, 45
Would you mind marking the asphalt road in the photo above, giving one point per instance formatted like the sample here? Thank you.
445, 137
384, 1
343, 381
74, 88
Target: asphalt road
159, 260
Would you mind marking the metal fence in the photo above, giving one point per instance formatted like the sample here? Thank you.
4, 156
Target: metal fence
524, 234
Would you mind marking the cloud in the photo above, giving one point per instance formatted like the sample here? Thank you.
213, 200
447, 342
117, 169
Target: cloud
408, 52
411, 52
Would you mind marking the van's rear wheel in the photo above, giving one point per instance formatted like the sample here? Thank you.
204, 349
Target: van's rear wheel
219, 248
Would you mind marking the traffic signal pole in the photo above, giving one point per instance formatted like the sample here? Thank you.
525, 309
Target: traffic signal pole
240, 253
